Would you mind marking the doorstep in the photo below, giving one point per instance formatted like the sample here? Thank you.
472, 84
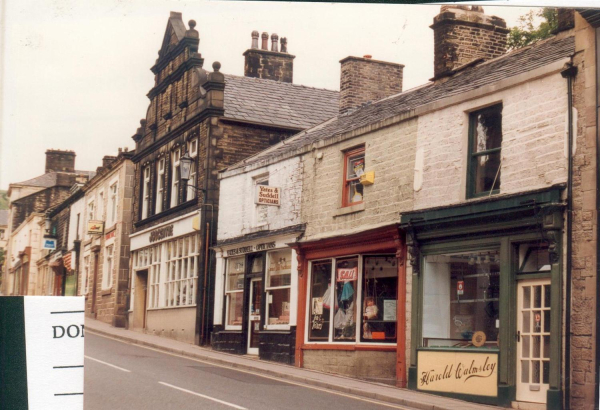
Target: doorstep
357, 387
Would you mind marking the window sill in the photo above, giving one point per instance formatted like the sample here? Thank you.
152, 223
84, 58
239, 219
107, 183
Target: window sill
388, 347
112, 228
349, 210
105, 292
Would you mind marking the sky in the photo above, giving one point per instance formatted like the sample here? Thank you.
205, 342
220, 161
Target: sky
75, 74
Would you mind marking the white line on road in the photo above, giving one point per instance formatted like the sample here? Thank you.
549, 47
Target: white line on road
235, 406
108, 364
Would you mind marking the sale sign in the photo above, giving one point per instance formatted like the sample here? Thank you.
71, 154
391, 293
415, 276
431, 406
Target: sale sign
347, 274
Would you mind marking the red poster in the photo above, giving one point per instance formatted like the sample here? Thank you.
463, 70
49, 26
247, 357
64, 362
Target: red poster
460, 287
347, 274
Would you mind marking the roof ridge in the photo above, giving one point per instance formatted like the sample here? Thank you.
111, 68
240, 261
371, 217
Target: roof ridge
280, 82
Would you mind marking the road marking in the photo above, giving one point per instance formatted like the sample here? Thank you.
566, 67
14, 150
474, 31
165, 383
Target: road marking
235, 406
308, 386
108, 364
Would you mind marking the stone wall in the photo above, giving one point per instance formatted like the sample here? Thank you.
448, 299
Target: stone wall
60, 161
374, 366
390, 153
582, 337
269, 65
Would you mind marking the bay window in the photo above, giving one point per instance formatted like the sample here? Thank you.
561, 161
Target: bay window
234, 290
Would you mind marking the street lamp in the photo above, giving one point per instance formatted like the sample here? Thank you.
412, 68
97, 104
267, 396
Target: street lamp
185, 166
48, 224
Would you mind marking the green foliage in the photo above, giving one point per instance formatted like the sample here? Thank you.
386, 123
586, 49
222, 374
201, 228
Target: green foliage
527, 33
3, 200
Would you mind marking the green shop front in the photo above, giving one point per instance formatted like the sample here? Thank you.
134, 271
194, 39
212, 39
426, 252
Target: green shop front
487, 298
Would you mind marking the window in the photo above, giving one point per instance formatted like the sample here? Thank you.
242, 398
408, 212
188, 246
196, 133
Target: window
261, 211
485, 145
77, 229
279, 276
354, 166
1, 233
181, 271
160, 184
107, 274
460, 297
234, 290
151, 258
112, 217
91, 211
339, 286
146, 193
175, 179
193, 181
86, 274
100, 211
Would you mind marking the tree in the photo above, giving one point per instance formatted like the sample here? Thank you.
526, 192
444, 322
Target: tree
527, 33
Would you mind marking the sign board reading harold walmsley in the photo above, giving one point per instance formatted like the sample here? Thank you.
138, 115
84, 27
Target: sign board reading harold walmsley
41, 352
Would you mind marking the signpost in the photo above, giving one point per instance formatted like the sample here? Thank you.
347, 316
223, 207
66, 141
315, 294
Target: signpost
41, 352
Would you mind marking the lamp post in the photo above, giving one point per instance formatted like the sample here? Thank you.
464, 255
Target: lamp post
48, 225
185, 167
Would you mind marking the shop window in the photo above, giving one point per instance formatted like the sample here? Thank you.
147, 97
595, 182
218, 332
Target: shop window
160, 185
533, 258
151, 259
460, 297
335, 300
354, 166
146, 193
108, 267
234, 290
485, 145
181, 269
279, 274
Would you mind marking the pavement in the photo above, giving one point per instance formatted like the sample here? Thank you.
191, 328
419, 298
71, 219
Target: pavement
370, 390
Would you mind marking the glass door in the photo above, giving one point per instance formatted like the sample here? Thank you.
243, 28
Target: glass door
533, 340
254, 315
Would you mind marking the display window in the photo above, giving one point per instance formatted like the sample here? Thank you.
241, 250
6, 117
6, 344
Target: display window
353, 299
461, 293
181, 269
234, 290
278, 289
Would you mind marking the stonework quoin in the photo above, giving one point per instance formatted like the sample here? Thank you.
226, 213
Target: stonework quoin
60, 161
269, 65
463, 34
363, 80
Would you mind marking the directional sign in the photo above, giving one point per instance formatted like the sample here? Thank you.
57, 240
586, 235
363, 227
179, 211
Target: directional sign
41, 352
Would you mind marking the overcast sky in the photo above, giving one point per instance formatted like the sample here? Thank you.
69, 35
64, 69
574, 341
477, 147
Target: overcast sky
76, 73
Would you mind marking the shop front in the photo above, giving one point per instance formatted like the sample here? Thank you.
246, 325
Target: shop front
256, 295
165, 278
352, 305
487, 299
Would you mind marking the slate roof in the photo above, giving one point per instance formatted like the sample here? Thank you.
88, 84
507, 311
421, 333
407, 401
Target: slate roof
50, 179
277, 103
509, 65
3, 217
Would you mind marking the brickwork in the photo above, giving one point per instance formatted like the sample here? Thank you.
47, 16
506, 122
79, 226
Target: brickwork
584, 246
363, 80
389, 152
375, 366
463, 34
60, 161
533, 142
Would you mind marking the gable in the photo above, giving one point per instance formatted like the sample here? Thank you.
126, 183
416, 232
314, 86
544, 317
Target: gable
174, 33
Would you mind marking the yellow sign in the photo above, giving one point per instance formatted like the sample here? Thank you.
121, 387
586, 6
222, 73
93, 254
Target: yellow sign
458, 372
267, 195
95, 227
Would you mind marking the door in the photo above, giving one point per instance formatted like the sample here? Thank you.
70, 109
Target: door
139, 299
254, 315
533, 340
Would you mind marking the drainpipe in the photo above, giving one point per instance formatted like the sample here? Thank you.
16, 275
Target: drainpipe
569, 73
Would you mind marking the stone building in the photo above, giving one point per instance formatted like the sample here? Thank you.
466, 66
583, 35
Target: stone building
216, 120
3, 242
28, 200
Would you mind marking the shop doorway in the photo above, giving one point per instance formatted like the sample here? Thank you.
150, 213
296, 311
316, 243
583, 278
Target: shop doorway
139, 299
254, 315
533, 340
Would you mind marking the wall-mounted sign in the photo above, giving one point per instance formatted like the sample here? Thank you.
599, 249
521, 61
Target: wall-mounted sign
458, 372
110, 235
49, 243
251, 248
347, 274
460, 287
95, 227
267, 195
161, 233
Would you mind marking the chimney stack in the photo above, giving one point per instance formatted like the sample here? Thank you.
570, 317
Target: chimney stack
363, 80
463, 34
107, 159
60, 161
269, 65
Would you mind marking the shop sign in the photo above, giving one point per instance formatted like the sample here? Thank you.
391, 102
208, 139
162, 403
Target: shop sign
251, 248
267, 195
161, 233
458, 372
460, 287
49, 243
110, 235
95, 227
347, 274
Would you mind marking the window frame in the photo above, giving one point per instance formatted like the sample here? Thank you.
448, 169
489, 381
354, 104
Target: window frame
146, 191
160, 185
229, 293
107, 281
347, 182
114, 200
175, 173
472, 156
193, 181
267, 290
174, 264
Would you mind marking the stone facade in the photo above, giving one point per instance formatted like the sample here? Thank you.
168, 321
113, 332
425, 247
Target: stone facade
363, 80
269, 65
463, 34
60, 161
373, 366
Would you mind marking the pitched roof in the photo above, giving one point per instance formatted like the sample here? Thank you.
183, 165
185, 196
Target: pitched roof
49, 179
506, 66
3, 217
280, 104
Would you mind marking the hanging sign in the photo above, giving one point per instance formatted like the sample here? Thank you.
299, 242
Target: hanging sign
267, 195
95, 227
460, 287
49, 243
347, 274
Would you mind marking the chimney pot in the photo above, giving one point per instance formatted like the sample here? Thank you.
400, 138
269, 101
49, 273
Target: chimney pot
269, 64
265, 41
369, 56
274, 43
284, 45
254, 40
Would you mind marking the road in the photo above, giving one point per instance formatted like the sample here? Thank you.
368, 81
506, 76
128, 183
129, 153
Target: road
119, 375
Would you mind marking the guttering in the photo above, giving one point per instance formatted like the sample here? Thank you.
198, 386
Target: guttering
569, 73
